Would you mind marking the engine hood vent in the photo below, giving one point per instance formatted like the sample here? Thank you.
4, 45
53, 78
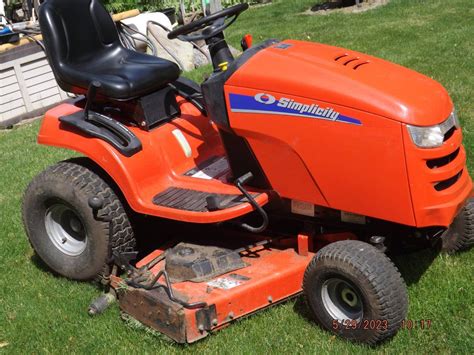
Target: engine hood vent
351, 61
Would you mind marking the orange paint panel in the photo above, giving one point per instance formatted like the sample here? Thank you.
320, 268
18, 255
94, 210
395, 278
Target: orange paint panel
150, 257
371, 169
354, 168
322, 72
303, 244
161, 163
432, 207
269, 279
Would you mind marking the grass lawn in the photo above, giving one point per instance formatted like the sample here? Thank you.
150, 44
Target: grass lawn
42, 313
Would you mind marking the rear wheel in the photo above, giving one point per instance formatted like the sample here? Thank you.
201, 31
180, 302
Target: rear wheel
355, 291
66, 233
460, 235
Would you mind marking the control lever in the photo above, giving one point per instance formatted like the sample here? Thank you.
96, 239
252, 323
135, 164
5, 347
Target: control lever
239, 183
91, 95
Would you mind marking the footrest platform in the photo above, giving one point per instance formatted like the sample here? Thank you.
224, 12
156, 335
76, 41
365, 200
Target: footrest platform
196, 201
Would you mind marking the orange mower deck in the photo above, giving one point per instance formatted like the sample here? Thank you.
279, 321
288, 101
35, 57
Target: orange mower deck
272, 275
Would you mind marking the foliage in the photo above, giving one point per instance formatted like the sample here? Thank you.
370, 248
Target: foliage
123, 5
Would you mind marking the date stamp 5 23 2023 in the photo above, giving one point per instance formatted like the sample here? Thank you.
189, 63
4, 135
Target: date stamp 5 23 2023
381, 324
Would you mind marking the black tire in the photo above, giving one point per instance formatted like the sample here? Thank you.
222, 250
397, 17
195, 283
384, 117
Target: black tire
460, 234
356, 292
55, 206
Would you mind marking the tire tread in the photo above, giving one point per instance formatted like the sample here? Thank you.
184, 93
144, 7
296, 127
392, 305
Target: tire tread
112, 215
386, 281
466, 239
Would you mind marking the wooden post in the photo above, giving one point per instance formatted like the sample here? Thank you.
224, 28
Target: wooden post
2, 11
211, 6
215, 5
182, 11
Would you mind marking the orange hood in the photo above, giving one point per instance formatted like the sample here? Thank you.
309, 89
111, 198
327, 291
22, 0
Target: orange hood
347, 78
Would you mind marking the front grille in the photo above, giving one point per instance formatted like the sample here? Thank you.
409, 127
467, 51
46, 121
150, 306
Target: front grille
438, 177
449, 133
446, 184
440, 162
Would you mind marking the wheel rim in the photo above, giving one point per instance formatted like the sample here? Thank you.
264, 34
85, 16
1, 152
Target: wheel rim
65, 229
342, 299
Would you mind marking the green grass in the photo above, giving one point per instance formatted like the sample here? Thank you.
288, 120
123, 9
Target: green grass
41, 313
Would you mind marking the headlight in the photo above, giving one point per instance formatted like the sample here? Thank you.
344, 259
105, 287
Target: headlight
455, 118
432, 137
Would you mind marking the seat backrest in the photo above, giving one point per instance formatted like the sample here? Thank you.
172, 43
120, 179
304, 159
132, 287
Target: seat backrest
75, 31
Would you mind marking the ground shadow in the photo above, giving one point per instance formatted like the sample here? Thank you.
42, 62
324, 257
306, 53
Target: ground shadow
40, 264
154, 233
412, 265
301, 308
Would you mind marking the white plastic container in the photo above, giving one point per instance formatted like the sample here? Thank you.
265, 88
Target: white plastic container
27, 84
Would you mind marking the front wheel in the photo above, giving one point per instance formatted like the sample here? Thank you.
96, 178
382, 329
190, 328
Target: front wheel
68, 235
355, 291
460, 234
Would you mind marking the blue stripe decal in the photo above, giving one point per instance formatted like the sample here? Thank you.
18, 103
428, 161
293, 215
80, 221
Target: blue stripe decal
267, 104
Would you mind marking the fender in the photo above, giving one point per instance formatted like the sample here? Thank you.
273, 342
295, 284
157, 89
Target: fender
160, 164
126, 172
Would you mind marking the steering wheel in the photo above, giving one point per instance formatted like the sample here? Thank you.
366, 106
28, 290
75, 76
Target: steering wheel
212, 24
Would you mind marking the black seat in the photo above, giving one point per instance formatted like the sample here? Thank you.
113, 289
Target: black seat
82, 45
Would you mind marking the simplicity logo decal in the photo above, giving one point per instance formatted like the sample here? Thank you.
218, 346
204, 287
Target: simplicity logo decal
268, 104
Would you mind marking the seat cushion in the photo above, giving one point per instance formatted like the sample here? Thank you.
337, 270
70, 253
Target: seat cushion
82, 45
124, 74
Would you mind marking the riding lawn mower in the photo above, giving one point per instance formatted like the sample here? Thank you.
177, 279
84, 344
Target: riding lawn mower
299, 166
